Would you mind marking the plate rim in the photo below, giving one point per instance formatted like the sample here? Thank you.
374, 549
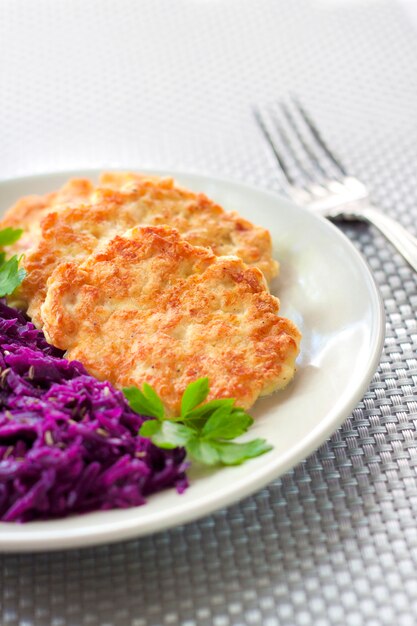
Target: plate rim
22, 541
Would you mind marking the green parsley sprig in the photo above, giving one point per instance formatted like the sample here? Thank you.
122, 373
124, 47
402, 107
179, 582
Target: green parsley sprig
204, 429
11, 275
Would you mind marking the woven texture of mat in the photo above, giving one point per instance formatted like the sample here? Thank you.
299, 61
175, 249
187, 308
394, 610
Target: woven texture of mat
169, 84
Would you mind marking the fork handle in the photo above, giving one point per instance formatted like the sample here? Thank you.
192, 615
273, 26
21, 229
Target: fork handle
400, 238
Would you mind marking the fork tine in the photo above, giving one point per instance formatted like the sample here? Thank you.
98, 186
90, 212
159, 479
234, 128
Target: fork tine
317, 136
289, 150
314, 160
262, 125
288, 142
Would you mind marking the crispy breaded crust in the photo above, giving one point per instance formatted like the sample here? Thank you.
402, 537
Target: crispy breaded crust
74, 233
149, 307
67, 235
154, 200
29, 211
201, 221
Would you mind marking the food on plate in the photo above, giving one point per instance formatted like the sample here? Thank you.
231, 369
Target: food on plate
68, 235
11, 275
29, 211
149, 307
204, 429
202, 222
69, 443
126, 200
141, 286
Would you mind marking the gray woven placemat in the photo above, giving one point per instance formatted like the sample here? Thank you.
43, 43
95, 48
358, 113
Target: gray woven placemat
169, 83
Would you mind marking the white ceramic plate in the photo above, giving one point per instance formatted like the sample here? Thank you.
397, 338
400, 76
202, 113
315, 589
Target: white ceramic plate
327, 289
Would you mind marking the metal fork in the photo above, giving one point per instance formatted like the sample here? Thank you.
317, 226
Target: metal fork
315, 178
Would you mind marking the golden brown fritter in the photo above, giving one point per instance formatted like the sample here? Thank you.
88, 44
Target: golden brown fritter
201, 221
67, 235
29, 211
75, 232
150, 307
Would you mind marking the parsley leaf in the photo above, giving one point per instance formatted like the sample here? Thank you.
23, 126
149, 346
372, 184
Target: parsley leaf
203, 451
10, 276
208, 407
237, 453
146, 402
226, 424
166, 434
9, 235
194, 395
204, 430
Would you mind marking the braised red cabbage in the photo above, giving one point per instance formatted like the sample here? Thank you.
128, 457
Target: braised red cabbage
68, 443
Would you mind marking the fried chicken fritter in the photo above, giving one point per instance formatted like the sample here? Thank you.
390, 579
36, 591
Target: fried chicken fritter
150, 307
201, 221
75, 232
29, 211
68, 235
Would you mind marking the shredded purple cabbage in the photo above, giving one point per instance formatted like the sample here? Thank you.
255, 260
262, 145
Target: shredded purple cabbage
68, 443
